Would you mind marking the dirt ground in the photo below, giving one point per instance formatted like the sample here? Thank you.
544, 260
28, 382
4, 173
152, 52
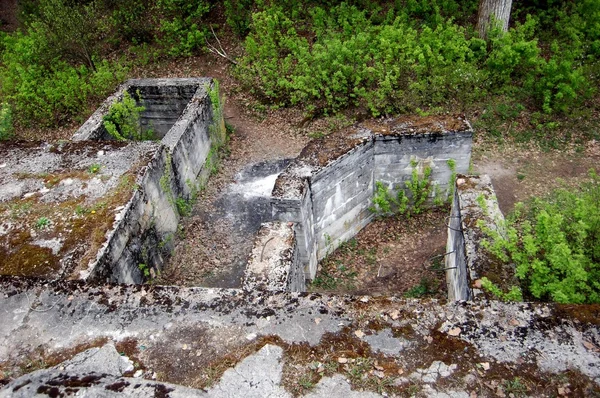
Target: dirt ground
8, 15
400, 256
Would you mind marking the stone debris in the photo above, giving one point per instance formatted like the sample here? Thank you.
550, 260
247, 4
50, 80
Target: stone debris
385, 343
256, 376
436, 370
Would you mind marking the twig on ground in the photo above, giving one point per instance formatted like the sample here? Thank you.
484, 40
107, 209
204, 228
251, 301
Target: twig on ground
219, 51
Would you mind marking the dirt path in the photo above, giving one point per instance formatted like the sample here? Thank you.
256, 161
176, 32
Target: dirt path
518, 173
217, 238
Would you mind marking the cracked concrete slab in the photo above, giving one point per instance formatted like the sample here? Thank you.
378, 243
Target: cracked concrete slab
384, 342
258, 375
337, 386
199, 330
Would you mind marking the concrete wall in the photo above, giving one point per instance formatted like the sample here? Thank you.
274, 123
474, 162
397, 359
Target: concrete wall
190, 126
142, 238
273, 263
393, 157
328, 189
474, 205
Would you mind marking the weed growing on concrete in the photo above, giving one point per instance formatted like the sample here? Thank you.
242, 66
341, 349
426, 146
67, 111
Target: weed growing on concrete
94, 168
184, 207
42, 223
452, 165
123, 120
145, 269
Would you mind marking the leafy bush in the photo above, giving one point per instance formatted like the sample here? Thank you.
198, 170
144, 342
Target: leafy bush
334, 57
555, 245
71, 30
353, 61
53, 91
419, 187
6, 123
123, 120
180, 25
239, 15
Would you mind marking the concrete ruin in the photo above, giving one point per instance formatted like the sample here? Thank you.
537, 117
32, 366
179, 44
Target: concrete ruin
92, 328
327, 191
120, 198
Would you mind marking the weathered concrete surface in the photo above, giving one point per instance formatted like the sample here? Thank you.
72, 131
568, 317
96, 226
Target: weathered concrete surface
140, 242
272, 263
474, 208
58, 202
191, 336
328, 189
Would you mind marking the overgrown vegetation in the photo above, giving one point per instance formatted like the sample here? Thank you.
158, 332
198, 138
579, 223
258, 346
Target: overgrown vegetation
554, 244
381, 57
419, 187
123, 120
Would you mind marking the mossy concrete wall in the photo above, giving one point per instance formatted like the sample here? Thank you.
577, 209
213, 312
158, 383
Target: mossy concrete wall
328, 189
474, 208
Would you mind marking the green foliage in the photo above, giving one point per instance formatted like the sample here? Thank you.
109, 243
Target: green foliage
352, 61
424, 288
331, 57
123, 120
145, 268
42, 223
6, 122
184, 207
419, 187
94, 168
514, 293
387, 204
555, 245
130, 20
71, 30
181, 29
239, 15
54, 91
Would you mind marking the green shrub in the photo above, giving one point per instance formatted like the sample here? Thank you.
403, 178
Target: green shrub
131, 20
6, 122
50, 92
353, 61
555, 245
72, 31
123, 120
239, 15
181, 26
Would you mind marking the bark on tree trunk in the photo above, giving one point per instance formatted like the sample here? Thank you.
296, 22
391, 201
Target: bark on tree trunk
490, 10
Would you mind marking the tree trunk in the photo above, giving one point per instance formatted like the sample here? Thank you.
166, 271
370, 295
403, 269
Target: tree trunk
493, 11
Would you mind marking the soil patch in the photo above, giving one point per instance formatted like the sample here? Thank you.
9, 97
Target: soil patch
8, 18
390, 256
518, 173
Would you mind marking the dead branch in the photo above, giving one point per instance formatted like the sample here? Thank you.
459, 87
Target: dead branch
219, 51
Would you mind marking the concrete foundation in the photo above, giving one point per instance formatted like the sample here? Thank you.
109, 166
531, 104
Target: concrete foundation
135, 238
328, 189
